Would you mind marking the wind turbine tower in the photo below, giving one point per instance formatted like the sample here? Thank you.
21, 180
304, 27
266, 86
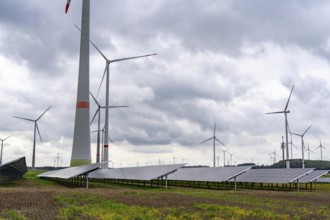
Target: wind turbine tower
2, 140
36, 129
81, 147
214, 139
302, 146
286, 111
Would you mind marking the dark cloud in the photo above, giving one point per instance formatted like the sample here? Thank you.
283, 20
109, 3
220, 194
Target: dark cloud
200, 76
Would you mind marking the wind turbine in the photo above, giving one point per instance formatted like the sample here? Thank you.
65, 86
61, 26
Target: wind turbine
274, 157
98, 113
214, 139
36, 129
224, 156
291, 142
107, 73
231, 158
2, 140
321, 147
308, 151
283, 149
302, 145
286, 111
81, 146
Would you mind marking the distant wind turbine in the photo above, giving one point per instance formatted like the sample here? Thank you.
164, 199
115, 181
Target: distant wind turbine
291, 142
214, 139
308, 151
36, 129
2, 140
286, 111
283, 149
231, 158
274, 157
302, 145
98, 113
224, 156
321, 147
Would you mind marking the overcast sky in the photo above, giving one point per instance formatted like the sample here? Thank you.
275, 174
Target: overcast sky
223, 62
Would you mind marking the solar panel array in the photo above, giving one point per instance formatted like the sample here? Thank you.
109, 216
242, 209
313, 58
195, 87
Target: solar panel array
323, 180
71, 172
272, 175
12, 170
312, 176
135, 173
208, 174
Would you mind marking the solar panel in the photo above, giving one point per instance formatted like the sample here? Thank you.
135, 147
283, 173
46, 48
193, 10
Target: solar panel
323, 180
272, 175
208, 174
18, 164
71, 172
310, 177
135, 173
12, 170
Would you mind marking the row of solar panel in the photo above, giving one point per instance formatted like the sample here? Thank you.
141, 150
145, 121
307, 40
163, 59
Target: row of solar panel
180, 173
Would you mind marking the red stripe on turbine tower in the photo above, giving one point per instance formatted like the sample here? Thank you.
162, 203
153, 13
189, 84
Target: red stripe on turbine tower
106, 146
82, 104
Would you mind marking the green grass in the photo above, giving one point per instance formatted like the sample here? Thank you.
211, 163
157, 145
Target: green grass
32, 175
11, 214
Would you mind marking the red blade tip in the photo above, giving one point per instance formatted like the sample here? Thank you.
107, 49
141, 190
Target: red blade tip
66, 8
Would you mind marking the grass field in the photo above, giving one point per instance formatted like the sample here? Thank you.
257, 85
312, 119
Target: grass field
33, 198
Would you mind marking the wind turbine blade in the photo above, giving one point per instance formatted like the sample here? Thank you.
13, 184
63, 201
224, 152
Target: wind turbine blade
206, 140
99, 51
274, 112
38, 131
27, 119
130, 58
297, 134
77, 27
98, 91
43, 113
94, 116
221, 143
294, 145
95, 100
287, 104
306, 130
106, 59
6, 138
215, 127
110, 140
118, 106
67, 6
